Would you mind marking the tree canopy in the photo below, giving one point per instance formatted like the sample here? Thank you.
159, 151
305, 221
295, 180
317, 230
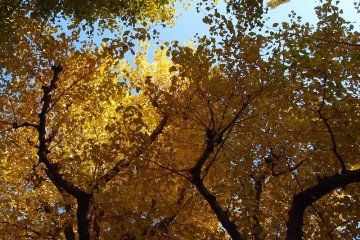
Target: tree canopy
249, 132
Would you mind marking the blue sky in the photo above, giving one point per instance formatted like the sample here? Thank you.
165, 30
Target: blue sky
190, 22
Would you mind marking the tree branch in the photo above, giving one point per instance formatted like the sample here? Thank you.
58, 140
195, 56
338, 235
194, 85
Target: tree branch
125, 162
52, 170
15, 125
307, 197
196, 180
333, 141
222, 216
332, 136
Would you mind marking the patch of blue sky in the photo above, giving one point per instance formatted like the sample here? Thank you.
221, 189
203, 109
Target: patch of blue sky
189, 23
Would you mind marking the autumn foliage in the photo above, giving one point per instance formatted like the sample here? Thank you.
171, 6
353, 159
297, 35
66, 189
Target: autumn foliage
250, 132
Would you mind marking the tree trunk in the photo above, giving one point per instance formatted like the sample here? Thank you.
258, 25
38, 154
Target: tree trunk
83, 217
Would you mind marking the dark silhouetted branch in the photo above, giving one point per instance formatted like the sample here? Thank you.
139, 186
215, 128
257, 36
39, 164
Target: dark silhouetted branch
52, 170
307, 197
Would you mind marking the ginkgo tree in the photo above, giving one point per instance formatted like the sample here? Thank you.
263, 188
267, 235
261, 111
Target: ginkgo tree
36, 103
251, 132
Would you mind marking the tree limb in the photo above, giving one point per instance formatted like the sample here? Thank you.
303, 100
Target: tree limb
307, 197
52, 170
196, 180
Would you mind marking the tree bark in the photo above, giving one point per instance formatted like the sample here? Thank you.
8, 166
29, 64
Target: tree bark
52, 170
83, 217
307, 197
222, 216
195, 172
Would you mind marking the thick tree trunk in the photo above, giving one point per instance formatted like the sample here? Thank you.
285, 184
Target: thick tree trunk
83, 217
